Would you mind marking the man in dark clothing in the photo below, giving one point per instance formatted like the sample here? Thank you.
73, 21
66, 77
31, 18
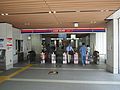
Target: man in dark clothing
96, 57
32, 55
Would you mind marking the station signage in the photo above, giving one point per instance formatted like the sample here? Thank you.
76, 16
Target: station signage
62, 30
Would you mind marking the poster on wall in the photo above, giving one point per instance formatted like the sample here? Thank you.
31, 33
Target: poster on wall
9, 43
1, 42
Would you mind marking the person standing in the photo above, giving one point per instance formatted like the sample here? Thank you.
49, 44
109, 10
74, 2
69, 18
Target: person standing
88, 51
69, 49
83, 51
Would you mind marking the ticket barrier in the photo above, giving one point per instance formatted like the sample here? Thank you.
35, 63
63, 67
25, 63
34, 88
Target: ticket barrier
76, 58
64, 58
42, 58
53, 58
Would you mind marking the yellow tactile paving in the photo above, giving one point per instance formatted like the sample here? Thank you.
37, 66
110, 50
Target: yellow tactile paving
21, 70
4, 78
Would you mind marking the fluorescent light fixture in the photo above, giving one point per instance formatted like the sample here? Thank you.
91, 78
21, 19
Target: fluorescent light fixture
93, 22
73, 36
6, 13
54, 11
29, 37
2, 14
76, 24
50, 12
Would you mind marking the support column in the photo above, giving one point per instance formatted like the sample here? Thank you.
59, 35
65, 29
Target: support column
115, 46
119, 47
113, 43
112, 46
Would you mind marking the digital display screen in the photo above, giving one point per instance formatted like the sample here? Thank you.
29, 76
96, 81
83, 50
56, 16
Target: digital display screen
62, 35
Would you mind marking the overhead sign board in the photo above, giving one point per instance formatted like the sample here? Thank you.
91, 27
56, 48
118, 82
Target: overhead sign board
63, 30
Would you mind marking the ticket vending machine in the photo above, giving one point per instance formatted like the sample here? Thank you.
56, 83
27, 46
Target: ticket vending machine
2, 59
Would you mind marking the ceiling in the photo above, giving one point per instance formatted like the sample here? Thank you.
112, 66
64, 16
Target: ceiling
36, 13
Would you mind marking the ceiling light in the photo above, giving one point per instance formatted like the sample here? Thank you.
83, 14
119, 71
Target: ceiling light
106, 10
75, 24
54, 11
102, 10
93, 22
50, 12
29, 37
2, 14
6, 13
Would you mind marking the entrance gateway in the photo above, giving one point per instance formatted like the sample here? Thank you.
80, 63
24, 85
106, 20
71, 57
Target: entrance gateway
62, 36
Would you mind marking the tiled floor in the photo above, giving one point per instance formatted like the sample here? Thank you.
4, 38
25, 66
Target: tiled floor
69, 77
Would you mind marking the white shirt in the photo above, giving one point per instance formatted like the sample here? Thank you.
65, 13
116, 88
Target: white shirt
88, 49
69, 48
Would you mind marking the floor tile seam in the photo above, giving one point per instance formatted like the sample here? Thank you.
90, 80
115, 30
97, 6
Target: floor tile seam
77, 69
67, 81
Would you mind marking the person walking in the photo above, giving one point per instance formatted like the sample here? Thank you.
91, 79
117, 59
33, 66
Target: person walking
83, 51
69, 50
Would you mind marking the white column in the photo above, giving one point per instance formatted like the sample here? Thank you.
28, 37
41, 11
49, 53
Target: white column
119, 46
36, 43
101, 45
115, 46
92, 42
112, 46
114, 28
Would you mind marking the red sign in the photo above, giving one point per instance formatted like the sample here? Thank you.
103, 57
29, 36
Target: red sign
9, 41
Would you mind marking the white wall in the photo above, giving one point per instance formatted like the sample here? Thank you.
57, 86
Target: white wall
26, 45
119, 46
98, 42
16, 36
114, 26
36, 43
101, 42
6, 32
3, 34
101, 45
92, 41
110, 46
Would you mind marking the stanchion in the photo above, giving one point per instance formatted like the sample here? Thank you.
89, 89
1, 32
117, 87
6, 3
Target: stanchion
76, 58
64, 58
43, 58
53, 58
